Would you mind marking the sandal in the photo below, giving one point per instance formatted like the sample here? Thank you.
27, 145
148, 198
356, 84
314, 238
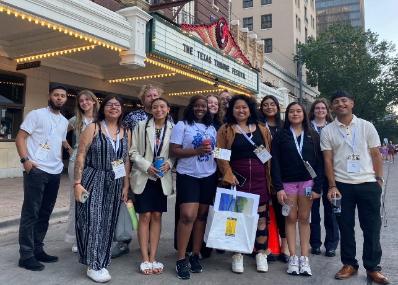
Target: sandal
146, 268
157, 267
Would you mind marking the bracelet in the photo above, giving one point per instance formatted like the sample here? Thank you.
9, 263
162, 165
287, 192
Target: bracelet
331, 187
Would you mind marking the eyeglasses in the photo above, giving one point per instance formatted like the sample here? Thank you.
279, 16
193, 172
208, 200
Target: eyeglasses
110, 105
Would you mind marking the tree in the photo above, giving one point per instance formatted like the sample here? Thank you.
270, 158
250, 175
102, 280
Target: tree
348, 58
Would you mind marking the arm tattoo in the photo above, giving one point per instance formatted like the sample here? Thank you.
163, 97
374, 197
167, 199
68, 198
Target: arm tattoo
80, 159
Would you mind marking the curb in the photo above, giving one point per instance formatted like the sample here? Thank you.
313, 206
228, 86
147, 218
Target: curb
7, 223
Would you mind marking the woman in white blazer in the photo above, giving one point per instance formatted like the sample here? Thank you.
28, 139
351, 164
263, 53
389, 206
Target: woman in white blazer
151, 181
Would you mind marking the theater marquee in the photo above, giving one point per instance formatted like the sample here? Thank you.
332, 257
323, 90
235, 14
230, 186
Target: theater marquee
170, 42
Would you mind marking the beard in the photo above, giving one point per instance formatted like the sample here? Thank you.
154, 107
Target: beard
53, 106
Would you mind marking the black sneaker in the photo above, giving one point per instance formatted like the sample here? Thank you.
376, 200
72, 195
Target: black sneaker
196, 267
330, 253
31, 264
182, 269
44, 257
316, 250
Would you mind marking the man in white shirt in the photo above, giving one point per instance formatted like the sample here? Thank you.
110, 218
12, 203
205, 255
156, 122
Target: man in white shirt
39, 143
354, 169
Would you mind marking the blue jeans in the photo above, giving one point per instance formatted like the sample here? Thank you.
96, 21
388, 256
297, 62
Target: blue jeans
40, 194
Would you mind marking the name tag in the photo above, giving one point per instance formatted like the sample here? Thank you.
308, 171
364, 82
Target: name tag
221, 153
42, 152
310, 170
262, 154
118, 168
353, 166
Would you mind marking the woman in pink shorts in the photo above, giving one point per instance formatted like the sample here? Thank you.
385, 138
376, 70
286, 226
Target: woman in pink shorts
296, 170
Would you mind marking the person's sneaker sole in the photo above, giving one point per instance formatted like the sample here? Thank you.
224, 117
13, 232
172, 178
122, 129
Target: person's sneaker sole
31, 269
305, 274
293, 273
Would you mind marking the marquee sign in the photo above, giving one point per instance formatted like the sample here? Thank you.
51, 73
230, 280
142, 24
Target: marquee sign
218, 36
169, 41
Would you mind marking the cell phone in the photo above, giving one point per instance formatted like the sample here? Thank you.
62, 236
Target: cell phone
240, 177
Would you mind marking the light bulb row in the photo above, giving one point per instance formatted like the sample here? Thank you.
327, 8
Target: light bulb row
56, 27
144, 77
54, 53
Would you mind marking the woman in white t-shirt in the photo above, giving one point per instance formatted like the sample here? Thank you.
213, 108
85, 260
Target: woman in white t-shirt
192, 142
86, 110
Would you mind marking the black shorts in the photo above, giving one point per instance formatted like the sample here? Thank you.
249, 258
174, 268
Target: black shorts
196, 190
152, 199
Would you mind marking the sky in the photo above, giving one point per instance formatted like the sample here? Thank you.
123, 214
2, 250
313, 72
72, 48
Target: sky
381, 16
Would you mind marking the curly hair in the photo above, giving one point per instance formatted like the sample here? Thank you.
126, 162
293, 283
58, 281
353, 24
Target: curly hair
146, 88
189, 115
250, 101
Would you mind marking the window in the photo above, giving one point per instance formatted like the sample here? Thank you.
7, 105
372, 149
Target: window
305, 15
248, 23
247, 3
12, 93
268, 45
298, 24
306, 35
266, 21
266, 2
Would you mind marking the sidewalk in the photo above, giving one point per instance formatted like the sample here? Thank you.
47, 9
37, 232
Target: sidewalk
11, 198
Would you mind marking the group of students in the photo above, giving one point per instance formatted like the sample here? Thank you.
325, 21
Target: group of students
113, 155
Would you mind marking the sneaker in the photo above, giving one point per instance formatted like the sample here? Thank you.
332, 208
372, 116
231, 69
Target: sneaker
182, 269
100, 276
237, 263
305, 268
74, 248
118, 249
293, 266
31, 264
196, 267
261, 261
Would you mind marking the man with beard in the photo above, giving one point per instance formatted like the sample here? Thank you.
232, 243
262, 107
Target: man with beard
39, 143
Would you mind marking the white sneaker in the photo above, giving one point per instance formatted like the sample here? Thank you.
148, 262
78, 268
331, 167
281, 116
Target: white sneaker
261, 261
293, 266
74, 248
237, 263
305, 268
100, 276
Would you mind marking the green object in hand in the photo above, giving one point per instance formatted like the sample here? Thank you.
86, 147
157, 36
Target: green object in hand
133, 215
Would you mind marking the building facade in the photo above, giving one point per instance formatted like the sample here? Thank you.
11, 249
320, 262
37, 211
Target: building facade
282, 25
82, 45
350, 12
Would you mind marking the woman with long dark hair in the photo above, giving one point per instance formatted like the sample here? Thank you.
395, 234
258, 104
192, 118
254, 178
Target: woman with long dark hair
270, 115
297, 178
192, 142
151, 180
244, 136
320, 116
100, 170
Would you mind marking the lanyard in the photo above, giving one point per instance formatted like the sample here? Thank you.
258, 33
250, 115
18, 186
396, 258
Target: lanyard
352, 143
299, 147
115, 145
246, 136
318, 130
53, 124
158, 146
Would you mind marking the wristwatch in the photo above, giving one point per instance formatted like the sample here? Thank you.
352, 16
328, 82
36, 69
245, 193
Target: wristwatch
379, 178
24, 159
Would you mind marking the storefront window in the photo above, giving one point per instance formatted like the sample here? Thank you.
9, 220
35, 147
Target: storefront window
12, 91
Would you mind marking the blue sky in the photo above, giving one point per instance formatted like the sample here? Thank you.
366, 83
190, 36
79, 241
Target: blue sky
381, 16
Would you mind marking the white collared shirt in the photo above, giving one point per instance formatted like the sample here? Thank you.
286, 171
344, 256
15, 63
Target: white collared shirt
366, 137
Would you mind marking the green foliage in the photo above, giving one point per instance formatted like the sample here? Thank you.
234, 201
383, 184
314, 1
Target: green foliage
356, 61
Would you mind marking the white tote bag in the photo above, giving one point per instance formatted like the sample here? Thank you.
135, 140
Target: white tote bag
231, 231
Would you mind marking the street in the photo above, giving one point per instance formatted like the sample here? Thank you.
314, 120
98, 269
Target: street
124, 270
